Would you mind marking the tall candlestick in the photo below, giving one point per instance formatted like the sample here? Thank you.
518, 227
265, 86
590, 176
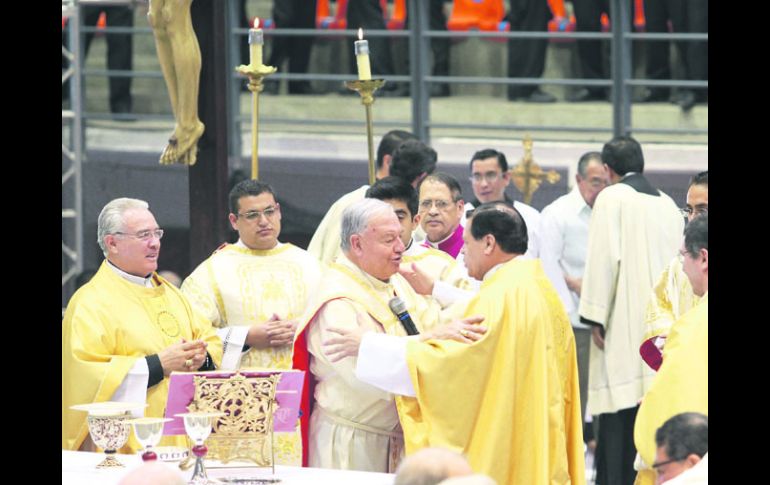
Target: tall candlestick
362, 57
256, 40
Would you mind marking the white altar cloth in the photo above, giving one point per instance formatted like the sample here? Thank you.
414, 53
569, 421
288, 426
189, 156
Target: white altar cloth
79, 468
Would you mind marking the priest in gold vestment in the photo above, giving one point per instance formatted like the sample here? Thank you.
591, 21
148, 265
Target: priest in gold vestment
255, 290
672, 295
681, 384
510, 401
127, 329
355, 426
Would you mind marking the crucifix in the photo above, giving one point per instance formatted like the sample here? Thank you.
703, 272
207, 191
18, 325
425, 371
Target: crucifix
527, 175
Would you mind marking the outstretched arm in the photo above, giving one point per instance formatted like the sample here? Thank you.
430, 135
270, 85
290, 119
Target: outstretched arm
348, 341
381, 358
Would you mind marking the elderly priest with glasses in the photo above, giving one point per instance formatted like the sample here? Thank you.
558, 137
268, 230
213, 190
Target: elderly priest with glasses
127, 329
508, 400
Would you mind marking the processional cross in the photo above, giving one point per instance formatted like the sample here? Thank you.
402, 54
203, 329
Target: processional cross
527, 175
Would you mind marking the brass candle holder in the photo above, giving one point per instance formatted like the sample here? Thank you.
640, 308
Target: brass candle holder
366, 89
255, 73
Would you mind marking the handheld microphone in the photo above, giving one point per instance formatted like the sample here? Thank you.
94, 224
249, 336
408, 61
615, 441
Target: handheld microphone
398, 307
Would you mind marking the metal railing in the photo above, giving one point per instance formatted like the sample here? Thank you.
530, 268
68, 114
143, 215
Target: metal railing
419, 36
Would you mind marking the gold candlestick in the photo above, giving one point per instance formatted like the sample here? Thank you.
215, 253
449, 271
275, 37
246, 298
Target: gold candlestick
255, 73
366, 89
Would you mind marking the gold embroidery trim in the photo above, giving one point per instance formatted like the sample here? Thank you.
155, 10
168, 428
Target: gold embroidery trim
168, 323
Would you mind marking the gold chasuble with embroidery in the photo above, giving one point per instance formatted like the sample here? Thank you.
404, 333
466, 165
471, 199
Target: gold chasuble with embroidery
681, 385
509, 401
238, 286
671, 297
354, 426
109, 324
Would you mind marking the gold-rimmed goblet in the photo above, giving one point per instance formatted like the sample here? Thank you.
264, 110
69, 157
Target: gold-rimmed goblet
109, 428
198, 425
148, 432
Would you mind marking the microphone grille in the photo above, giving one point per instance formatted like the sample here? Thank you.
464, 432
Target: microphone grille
397, 305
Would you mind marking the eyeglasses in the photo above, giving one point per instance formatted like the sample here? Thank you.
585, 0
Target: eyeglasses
490, 177
441, 205
144, 235
254, 215
655, 466
698, 210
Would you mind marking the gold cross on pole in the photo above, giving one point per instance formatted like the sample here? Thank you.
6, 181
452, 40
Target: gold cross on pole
527, 175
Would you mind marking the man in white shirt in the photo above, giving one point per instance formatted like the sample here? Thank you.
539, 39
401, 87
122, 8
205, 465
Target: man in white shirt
563, 248
489, 178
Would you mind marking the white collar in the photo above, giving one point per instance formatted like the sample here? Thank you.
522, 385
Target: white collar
242, 245
137, 280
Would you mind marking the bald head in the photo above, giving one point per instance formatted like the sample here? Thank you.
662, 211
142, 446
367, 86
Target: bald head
153, 473
430, 466
475, 479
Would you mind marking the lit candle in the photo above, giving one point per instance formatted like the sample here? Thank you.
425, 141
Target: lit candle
256, 39
362, 57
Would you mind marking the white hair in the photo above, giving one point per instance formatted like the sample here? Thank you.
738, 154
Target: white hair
111, 217
356, 217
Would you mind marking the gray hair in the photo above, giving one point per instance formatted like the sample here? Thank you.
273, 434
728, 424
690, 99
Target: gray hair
587, 158
356, 217
111, 217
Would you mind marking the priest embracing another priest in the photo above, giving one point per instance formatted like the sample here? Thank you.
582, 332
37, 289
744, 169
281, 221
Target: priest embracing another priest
504, 393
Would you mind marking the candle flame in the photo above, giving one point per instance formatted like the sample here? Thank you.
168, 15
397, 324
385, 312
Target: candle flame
256, 22
360, 33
